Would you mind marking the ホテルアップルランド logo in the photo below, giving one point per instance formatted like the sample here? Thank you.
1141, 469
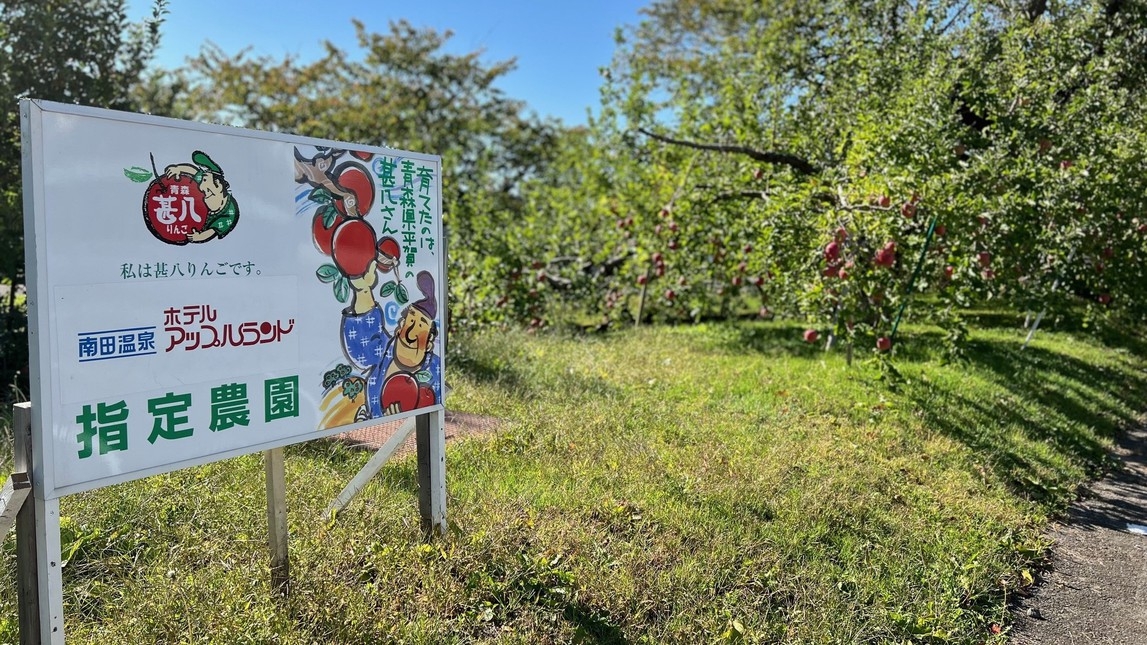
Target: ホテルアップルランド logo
189, 202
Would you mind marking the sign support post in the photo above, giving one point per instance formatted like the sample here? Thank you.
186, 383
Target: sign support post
430, 435
39, 579
277, 521
48, 566
28, 601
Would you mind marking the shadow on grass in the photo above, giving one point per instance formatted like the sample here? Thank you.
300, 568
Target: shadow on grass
1044, 415
591, 627
1040, 398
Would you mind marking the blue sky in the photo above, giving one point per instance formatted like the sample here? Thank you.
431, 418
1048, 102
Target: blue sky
559, 44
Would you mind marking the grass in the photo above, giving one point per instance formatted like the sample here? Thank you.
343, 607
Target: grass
711, 483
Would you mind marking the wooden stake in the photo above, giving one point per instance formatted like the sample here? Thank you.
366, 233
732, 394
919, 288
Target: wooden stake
27, 578
277, 520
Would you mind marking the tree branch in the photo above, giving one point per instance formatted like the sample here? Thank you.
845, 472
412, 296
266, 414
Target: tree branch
803, 166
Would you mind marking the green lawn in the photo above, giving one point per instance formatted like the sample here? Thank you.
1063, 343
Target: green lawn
659, 485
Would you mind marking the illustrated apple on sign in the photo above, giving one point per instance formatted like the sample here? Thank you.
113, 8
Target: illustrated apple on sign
406, 392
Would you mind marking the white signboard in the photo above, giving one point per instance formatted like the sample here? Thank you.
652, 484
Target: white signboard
198, 292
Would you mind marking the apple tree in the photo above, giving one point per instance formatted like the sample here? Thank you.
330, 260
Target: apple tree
836, 160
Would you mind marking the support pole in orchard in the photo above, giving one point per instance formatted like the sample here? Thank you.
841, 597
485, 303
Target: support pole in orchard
1039, 317
910, 288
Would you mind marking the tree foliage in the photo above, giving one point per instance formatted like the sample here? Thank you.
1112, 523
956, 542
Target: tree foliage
402, 89
836, 160
73, 52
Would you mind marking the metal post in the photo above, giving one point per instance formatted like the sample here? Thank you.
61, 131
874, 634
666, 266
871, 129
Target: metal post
430, 433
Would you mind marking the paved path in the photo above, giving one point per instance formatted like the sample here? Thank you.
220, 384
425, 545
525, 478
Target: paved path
1096, 591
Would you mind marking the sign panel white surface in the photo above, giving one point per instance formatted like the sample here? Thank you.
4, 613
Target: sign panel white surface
198, 292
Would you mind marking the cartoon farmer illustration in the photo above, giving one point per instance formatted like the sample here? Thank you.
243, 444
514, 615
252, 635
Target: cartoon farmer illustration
222, 210
403, 373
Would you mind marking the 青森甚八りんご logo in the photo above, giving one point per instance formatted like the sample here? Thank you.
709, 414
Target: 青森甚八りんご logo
188, 202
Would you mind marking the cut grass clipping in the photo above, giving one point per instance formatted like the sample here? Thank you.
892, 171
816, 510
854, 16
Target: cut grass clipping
715, 483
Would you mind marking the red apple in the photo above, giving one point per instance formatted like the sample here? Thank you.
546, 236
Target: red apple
388, 253
642, 279
841, 234
884, 201
162, 211
948, 271
1104, 298
941, 230
736, 281
426, 396
883, 343
672, 245
810, 335
748, 248
908, 209
764, 312
664, 212
400, 388
322, 234
657, 258
353, 177
985, 259
353, 247
832, 251
670, 294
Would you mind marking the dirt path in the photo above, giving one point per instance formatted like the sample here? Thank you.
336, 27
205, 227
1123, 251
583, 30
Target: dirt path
458, 424
1096, 591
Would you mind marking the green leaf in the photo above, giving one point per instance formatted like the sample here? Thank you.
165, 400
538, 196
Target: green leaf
387, 289
401, 295
328, 273
328, 213
422, 376
137, 174
342, 289
321, 195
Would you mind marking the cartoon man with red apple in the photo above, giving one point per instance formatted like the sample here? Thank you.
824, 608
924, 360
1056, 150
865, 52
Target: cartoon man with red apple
403, 372
222, 210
